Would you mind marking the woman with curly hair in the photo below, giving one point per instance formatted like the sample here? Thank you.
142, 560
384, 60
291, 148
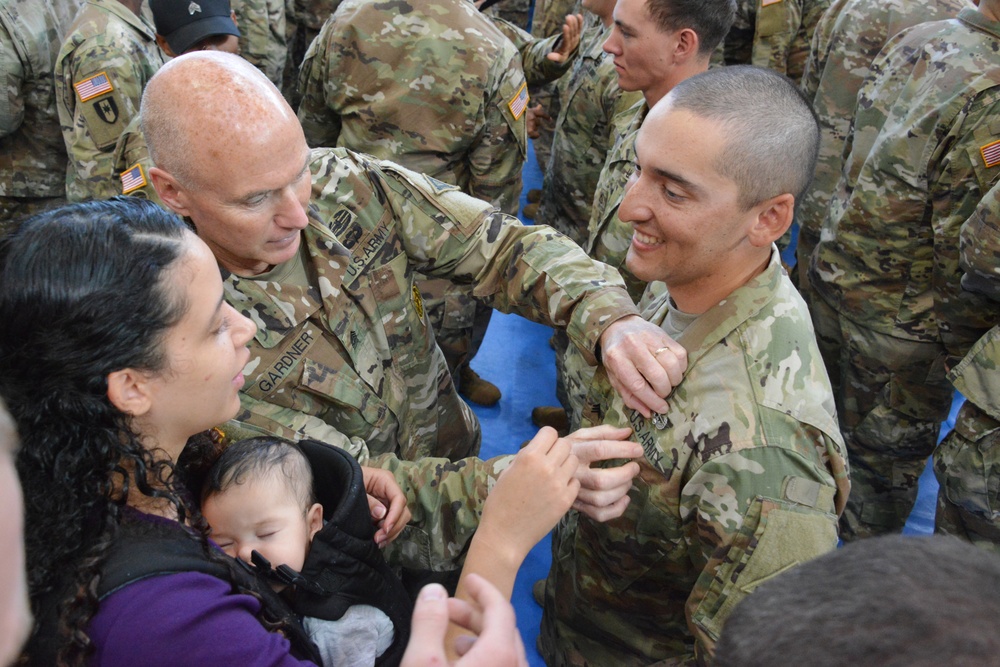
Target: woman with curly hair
118, 354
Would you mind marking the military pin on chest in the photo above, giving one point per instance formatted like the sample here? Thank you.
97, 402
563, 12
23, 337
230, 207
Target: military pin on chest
660, 421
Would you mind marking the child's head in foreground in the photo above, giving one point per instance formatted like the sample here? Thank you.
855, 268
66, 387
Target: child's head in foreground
259, 496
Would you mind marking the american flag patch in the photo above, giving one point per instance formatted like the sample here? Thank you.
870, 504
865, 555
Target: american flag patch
991, 154
519, 102
94, 86
133, 179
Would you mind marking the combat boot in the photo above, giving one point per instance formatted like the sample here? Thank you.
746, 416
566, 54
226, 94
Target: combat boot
476, 389
547, 415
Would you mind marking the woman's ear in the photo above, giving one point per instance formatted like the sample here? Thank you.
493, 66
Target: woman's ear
314, 519
129, 391
774, 216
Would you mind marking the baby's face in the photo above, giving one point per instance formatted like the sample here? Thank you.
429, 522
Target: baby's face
265, 515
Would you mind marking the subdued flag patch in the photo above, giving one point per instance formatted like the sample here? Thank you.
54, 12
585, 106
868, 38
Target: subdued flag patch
991, 154
94, 86
519, 102
133, 179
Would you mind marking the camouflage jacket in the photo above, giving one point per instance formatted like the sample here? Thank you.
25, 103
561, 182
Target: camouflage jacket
105, 61
924, 149
349, 359
130, 164
590, 99
774, 34
538, 69
32, 153
608, 238
263, 41
743, 477
436, 88
977, 376
844, 45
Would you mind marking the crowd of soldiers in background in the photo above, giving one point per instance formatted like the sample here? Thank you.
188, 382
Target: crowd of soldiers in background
899, 243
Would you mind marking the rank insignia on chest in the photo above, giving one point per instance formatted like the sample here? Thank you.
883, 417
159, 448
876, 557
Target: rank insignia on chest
519, 102
133, 179
660, 421
88, 89
991, 154
418, 302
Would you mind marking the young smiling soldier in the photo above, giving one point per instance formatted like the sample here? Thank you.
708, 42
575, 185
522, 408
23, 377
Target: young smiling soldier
744, 475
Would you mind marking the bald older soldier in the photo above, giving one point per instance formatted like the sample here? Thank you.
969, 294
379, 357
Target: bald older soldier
320, 247
744, 475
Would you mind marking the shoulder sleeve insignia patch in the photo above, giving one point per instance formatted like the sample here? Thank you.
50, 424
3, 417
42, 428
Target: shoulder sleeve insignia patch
519, 102
98, 84
991, 154
133, 179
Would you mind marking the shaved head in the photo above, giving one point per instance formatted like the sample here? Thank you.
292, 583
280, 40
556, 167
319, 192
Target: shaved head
200, 104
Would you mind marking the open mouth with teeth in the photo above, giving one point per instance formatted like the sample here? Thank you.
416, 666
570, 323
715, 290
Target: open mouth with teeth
646, 240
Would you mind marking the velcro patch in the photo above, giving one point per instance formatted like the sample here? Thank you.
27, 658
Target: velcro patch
991, 154
519, 102
133, 179
88, 89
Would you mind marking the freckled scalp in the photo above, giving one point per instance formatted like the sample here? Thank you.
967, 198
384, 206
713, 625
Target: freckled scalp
201, 105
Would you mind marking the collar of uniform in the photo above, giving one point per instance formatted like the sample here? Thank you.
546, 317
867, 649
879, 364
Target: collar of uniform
140, 23
975, 19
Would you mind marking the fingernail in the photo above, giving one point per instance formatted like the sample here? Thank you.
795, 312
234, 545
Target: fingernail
379, 512
433, 592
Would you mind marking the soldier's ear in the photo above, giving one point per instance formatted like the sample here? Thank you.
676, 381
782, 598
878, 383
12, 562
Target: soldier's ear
169, 190
129, 391
772, 217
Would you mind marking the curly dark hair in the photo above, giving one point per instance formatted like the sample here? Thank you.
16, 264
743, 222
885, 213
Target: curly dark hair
84, 291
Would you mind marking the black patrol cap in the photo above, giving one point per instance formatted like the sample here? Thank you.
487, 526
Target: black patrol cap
184, 23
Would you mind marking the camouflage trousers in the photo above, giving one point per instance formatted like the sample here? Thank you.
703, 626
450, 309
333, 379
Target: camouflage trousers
573, 379
15, 209
891, 396
967, 466
459, 321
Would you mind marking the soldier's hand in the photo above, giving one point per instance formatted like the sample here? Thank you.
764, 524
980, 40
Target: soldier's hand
604, 491
387, 504
533, 120
644, 364
495, 641
565, 47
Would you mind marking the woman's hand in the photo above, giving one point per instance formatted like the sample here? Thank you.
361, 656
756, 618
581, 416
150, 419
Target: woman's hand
495, 641
387, 504
531, 495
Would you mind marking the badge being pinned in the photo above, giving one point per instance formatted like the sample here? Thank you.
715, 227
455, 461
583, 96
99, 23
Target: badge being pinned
418, 302
133, 179
991, 154
519, 102
96, 85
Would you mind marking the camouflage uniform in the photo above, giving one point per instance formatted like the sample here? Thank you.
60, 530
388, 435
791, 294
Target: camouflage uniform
438, 92
538, 69
967, 463
32, 154
591, 99
742, 479
105, 61
608, 241
844, 45
349, 359
263, 39
514, 11
131, 163
893, 315
547, 20
774, 34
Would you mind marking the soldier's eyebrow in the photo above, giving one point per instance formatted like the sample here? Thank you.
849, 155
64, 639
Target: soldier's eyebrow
264, 193
691, 187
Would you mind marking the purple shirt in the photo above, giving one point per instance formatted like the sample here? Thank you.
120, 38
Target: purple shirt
181, 619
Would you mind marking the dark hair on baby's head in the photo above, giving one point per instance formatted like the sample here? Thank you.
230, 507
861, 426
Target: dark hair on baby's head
253, 458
